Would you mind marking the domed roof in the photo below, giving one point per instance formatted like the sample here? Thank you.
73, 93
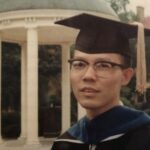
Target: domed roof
85, 5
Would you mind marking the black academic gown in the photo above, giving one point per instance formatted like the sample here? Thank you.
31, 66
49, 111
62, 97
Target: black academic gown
120, 128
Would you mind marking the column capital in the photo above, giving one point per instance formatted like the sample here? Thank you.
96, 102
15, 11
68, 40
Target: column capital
68, 44
29, 27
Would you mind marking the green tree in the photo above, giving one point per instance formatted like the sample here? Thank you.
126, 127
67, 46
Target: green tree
11, 76
11, 90
120, 7
128, 94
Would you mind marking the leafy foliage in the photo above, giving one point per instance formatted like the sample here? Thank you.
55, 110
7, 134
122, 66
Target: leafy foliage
49, 90
120, 7
11, 90
11, 76
128, 94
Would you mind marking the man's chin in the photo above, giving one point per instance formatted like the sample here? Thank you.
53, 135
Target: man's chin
89, 106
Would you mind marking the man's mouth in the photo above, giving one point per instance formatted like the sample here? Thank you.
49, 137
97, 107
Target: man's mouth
89, 90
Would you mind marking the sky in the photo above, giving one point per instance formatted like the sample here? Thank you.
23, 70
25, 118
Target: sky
143, 3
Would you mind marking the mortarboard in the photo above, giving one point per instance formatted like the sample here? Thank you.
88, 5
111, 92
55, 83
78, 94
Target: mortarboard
102, 35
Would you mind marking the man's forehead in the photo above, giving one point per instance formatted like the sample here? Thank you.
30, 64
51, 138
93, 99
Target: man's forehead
98, 56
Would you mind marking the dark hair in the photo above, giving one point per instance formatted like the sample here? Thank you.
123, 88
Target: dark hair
127, 61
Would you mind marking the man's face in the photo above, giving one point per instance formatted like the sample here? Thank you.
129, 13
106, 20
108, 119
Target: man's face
94, 88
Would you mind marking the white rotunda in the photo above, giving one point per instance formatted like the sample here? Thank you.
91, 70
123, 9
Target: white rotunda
30, 23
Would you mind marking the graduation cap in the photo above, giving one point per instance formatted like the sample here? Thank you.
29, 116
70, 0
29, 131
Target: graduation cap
101, 35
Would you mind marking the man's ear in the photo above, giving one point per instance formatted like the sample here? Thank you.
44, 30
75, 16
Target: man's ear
127, 75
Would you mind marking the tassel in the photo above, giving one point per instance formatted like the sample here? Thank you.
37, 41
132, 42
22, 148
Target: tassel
141, 73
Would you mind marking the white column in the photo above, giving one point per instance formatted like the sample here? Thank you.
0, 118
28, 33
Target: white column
66, 113
32, 86
23, 91
0, 88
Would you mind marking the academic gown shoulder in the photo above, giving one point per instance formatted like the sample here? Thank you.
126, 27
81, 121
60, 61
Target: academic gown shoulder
120, 128
138, 139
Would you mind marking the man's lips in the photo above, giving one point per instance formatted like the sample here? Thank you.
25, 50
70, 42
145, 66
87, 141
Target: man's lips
89, 90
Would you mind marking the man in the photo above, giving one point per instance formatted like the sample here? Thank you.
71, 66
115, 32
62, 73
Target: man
99, 68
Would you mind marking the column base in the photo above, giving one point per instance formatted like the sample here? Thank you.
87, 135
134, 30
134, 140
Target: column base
22, 139
33, 142
1, 141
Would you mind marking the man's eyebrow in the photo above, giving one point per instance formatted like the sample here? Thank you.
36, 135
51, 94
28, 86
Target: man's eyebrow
79, 58
103, 59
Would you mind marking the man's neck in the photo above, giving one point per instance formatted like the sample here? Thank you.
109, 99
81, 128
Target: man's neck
92, 113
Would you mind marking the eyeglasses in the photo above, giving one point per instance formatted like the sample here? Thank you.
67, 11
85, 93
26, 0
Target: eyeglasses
102, 68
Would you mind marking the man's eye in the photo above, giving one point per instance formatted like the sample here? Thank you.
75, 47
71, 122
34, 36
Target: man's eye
103, 65
79, 64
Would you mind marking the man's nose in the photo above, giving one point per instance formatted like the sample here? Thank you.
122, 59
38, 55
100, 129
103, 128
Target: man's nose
90, 74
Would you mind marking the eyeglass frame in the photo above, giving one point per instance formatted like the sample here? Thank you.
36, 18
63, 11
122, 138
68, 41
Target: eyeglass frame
112, 64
